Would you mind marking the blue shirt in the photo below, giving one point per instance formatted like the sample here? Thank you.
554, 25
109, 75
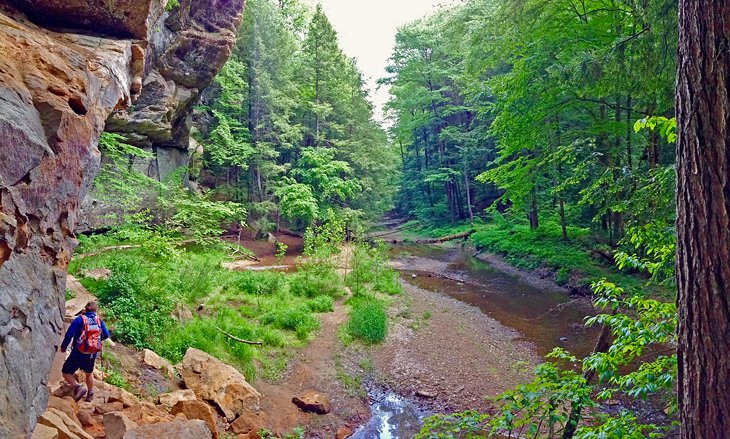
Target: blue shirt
77, 326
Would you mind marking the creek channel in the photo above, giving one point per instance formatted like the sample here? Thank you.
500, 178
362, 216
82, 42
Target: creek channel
545, 317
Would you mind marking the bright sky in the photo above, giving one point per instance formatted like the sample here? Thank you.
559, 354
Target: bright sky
367, 32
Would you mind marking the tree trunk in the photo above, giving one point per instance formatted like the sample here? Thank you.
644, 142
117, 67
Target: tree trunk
534, 219
703, 218
468, 194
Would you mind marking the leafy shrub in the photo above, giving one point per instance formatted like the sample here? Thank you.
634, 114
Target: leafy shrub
321, 304
257, 283
297, 319
316, 279
369, 269
368, 319
137, 313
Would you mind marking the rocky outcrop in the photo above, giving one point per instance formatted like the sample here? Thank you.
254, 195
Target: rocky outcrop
186, 52
186, 49
215, 381
57, 90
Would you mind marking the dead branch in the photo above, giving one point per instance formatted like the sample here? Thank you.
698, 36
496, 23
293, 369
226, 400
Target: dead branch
240, 340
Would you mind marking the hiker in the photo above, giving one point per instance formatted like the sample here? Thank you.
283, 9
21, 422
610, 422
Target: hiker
87, 332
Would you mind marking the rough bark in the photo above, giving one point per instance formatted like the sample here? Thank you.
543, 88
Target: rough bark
703, 218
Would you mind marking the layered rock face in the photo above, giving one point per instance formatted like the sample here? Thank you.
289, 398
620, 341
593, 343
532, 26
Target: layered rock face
57, 89
186, 50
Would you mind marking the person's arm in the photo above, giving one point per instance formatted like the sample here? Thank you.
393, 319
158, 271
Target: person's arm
71, 333
104, 331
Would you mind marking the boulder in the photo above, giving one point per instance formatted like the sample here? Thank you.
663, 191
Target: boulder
97, 273
343, 433
168, 400
117, 424
197, 410
109, 407
66, 407
178, 429
43, 432
153, 360
220, 383
248, 423
86, 418
67, 429
313, 402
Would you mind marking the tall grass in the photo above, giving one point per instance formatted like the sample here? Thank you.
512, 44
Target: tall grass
368, 319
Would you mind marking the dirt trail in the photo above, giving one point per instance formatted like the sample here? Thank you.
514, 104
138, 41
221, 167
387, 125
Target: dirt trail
313, 368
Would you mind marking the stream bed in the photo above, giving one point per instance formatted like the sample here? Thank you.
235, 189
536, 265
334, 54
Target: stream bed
545, 318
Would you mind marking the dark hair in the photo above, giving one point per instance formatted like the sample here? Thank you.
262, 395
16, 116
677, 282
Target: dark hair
91, 306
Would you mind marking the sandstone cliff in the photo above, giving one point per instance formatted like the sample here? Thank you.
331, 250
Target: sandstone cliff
57, 89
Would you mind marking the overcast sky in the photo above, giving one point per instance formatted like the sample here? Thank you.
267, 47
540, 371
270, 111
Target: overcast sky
367, 31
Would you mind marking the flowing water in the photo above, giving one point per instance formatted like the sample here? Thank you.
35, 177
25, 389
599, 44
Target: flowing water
546, 318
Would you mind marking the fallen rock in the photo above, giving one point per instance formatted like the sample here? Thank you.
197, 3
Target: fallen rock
86, 419
426, 394
67, 429
43, 432
66, 407
313, 402
110, 393
151, 359
109, 407
97, 273
152, 414
248, 423
343, 433
178, 429
168, 400
220, 383
117, 424
197, 410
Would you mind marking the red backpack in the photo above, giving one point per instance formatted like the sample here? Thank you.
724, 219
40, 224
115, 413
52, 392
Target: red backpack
90, 340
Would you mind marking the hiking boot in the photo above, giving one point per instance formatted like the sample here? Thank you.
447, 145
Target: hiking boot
79, 392
89, 396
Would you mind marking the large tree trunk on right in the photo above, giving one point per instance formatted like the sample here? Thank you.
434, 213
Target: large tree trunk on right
703, 218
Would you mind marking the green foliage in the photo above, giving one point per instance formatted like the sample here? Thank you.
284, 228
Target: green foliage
369, 271
321, 304
297, 320
153, 282
119, 182
468, 425
368, 319
293, 134
115, 378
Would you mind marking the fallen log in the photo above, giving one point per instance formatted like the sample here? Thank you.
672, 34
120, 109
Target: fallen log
447, 238
240, 340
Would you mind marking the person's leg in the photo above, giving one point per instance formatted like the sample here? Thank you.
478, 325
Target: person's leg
89, 370
70, 366
90, 385
70, 379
